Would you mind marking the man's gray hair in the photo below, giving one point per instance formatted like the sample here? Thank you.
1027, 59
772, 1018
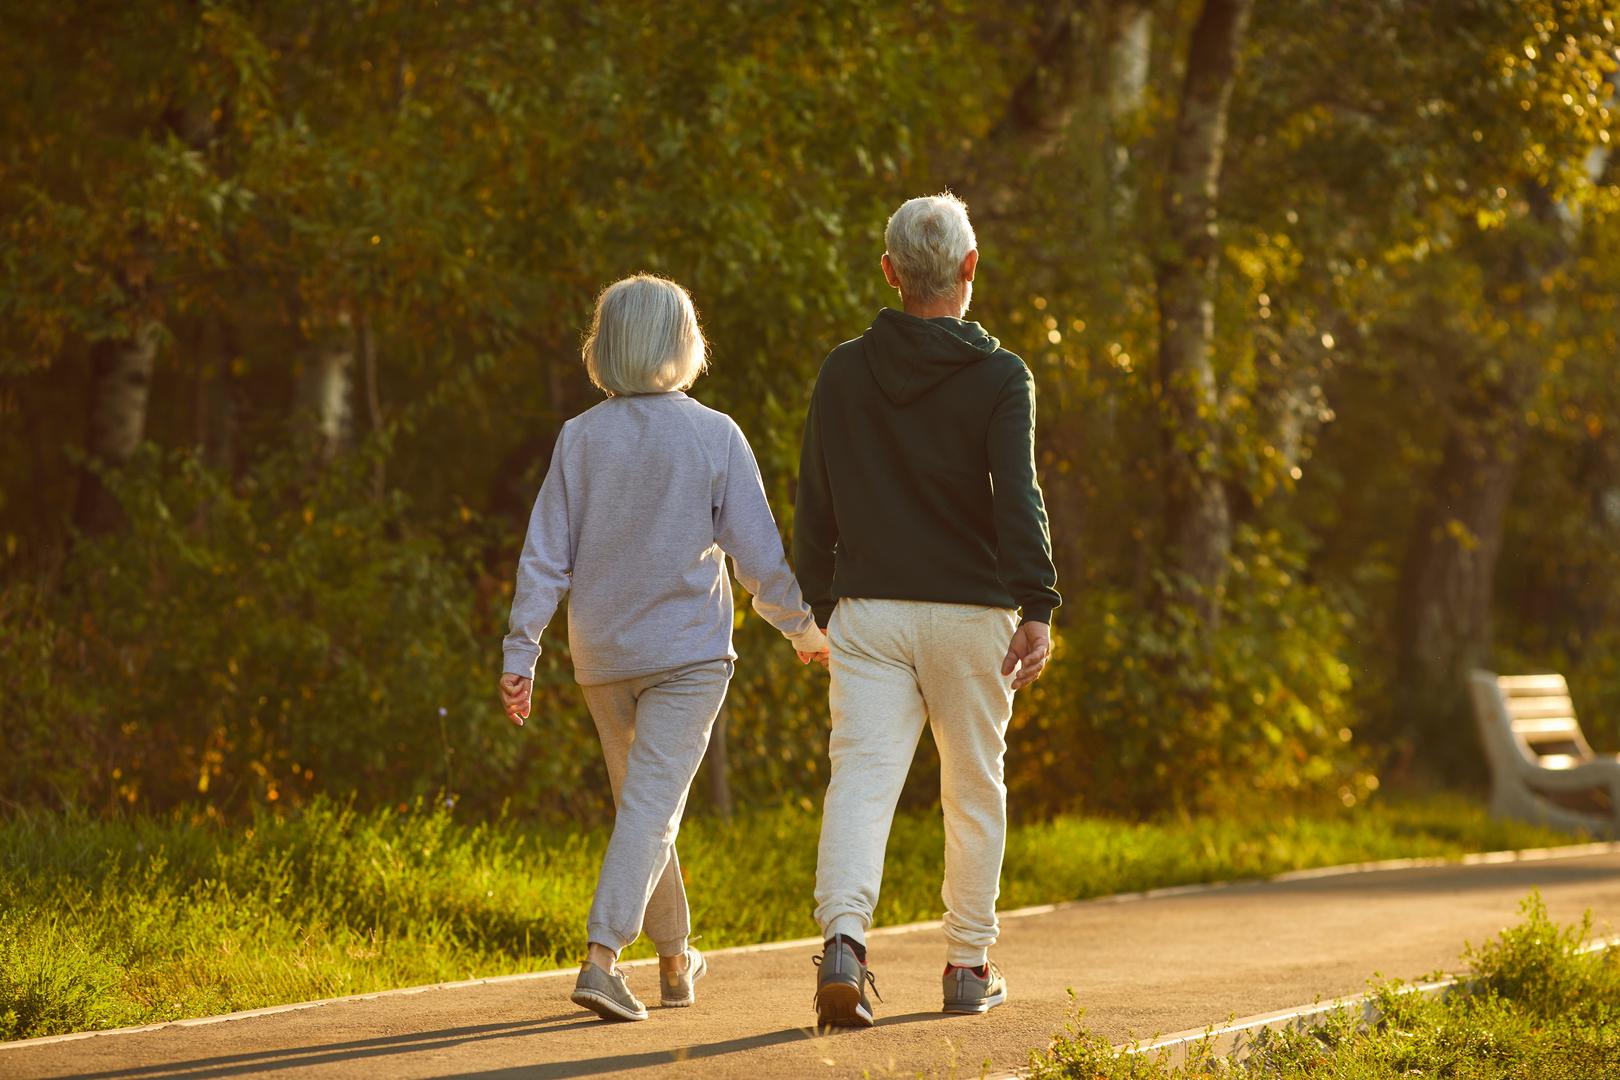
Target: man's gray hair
644, 338
928, 238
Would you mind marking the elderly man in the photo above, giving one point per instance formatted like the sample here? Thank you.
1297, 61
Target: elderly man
921, 543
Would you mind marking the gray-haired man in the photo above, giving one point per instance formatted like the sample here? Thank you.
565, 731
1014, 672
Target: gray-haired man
921, 543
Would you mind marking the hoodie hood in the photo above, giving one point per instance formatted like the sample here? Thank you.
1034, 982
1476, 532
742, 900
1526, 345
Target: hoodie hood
909, 356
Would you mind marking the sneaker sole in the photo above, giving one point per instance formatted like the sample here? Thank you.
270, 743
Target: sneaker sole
973, 1008
604, 1006
840, 1005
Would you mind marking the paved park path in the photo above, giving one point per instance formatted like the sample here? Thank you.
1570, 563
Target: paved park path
1140, 966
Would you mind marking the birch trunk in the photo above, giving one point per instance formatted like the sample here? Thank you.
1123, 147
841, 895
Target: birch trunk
120, 384
328, 388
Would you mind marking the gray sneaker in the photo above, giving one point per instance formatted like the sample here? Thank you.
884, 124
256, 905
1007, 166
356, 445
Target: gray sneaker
966, 992
675, 989
606, 994
841, 987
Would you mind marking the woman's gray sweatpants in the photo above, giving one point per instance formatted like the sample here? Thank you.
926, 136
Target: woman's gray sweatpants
654, 731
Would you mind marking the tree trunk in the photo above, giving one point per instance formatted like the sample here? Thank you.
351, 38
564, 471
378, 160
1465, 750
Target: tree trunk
368, 351
720, 768
1198, 521
1443, 611
327, 389
1037, 113
120, 382
1127, 61
1443, 616
218, 412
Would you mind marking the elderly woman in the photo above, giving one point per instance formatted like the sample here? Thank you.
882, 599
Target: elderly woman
647, 494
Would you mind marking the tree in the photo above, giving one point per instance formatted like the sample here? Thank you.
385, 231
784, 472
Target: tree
1198, 519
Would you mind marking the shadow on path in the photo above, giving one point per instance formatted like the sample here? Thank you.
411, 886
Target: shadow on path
303, 1057
563, 1070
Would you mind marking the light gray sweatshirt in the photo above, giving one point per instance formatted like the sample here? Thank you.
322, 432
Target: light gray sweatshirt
645, 498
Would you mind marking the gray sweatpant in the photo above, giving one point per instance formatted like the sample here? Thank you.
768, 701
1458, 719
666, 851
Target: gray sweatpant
654, 731
896, 665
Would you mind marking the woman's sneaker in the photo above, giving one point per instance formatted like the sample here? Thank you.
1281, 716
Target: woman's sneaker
607, 994
973, 990
841, 986
675, 987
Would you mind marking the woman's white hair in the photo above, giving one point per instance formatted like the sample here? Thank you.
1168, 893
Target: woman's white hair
928, 238
644, 338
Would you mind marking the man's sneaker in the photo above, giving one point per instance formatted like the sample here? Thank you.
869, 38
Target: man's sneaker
841, 986
973, 990
675, 987
607, 994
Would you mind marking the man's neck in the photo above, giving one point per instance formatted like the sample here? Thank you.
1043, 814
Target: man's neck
938, 309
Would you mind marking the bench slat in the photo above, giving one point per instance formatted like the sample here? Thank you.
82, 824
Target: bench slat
1532, 685
1546, 725
1529, 708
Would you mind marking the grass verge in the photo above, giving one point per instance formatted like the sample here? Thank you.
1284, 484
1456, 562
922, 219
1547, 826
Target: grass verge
1536, 1008
110, 923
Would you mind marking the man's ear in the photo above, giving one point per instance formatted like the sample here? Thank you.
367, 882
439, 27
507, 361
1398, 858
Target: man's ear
969, 264
888, 272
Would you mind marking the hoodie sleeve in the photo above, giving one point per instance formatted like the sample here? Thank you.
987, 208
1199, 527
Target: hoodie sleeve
815, 525
1023, 538
745, 530
545, 570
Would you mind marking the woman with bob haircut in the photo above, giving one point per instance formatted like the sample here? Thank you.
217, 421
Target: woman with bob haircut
647, 494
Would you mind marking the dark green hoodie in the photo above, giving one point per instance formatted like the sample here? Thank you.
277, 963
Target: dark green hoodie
917, 480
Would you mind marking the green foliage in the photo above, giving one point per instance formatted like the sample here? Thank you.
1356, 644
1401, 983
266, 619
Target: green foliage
1417, 230
250, 643
1537, 1007
1145, 711
131, 919
52, 981
1538, 966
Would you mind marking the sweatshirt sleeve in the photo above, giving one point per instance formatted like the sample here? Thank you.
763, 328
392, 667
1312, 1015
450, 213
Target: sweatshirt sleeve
545, 570
746, 531
1023, 538
815, 525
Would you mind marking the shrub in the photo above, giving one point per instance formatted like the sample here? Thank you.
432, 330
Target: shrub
1143, 712
254, 642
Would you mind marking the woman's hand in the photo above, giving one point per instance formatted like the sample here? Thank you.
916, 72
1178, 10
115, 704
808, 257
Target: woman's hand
515, 693
824, 657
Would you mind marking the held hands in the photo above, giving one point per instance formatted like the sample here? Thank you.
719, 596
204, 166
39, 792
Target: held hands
515, 693
1027, 654
820, 654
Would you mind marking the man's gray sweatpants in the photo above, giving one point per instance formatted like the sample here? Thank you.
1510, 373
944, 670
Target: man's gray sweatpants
654, 731
897, 665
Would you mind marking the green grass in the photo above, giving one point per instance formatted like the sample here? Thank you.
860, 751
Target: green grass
1538, 1010
108, 923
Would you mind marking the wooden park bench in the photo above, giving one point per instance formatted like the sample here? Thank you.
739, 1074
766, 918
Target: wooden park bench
1542, 769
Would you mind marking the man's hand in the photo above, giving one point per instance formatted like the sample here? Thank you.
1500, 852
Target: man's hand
515, 692
1028, 653
824, 657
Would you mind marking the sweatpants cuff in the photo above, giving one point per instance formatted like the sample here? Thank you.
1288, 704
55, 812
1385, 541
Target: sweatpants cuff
966, 956
851, 926
672, 947
597, 934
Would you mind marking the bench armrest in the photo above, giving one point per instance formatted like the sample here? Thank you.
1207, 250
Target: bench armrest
1600, 772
